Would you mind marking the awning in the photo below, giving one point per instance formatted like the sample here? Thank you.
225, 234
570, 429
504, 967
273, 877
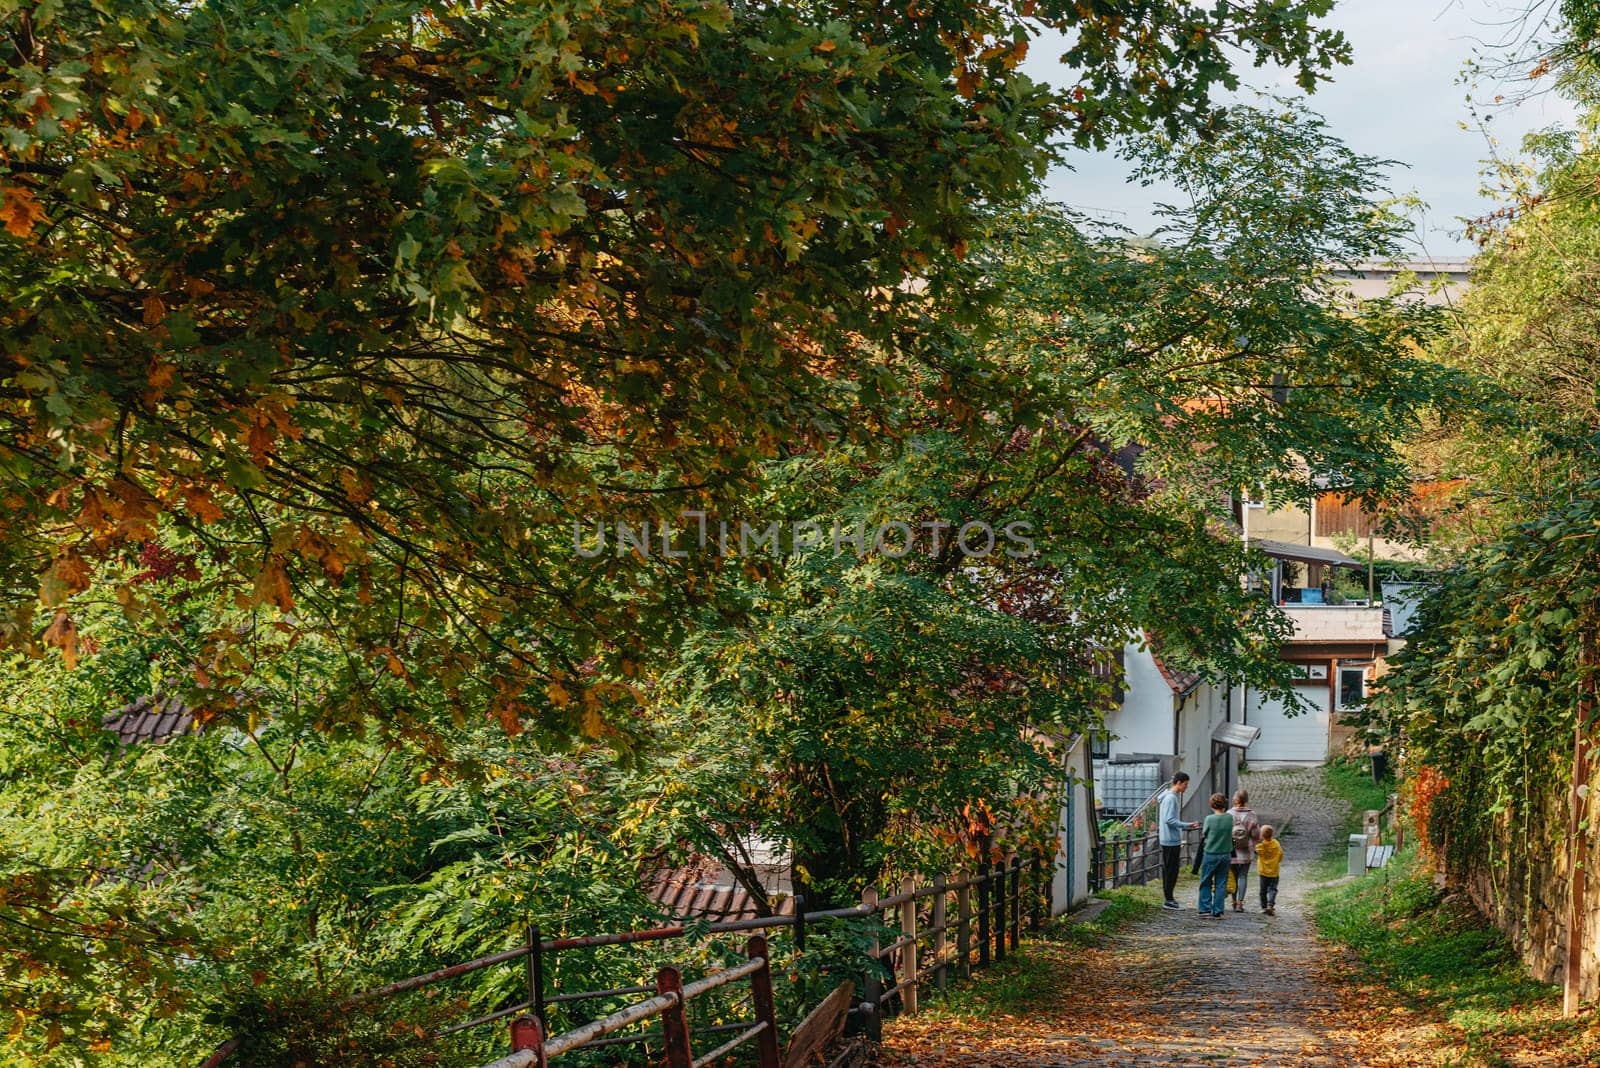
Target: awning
1283, 550
1237, 735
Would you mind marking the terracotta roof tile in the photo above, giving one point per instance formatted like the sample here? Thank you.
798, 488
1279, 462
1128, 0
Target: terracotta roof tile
1181, 682
149, 719
705, 890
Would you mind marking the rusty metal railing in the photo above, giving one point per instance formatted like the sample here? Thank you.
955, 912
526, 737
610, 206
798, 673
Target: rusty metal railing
983, 911
530, 1049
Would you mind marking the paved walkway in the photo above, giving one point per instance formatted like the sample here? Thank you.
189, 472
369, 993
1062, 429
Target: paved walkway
1175, 989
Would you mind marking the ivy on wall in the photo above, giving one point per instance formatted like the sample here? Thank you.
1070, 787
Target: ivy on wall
1486, 692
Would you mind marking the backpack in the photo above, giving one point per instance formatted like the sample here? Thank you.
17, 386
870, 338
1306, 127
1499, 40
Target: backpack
1241, 832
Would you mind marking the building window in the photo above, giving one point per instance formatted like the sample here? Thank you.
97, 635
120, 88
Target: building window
1100, 745
1352, 687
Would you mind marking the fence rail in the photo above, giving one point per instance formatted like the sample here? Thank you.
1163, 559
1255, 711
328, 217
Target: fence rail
940, 931
530, 1049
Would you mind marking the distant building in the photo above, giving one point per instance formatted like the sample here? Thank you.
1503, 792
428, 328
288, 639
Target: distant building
1337, 650
1441, 283
1167, 720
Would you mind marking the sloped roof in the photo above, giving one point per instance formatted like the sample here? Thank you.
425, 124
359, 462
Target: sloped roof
1283, 550
1181, 681
149, 719
703, 889
1238, 735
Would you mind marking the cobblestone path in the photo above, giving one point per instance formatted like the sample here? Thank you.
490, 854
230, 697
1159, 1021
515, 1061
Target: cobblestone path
1175, 989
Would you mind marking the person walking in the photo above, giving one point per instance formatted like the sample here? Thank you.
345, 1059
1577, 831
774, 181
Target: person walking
1217, 839
1270, 854
1171, 836
1245, 834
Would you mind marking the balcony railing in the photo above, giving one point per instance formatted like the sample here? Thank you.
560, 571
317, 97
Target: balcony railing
1336, 623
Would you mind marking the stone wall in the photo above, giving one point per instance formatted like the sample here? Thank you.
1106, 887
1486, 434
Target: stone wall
1523, 882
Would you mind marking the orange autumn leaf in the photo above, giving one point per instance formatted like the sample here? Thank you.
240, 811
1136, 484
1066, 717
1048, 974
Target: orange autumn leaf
201, 504
509, 718
20, 211
63, 634
259, 439
73, 571
272, 586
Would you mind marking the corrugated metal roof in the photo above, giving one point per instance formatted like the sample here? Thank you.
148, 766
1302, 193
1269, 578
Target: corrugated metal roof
1238, 735
1283, 550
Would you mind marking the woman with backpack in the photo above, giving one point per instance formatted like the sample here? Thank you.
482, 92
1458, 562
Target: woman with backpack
1246, 833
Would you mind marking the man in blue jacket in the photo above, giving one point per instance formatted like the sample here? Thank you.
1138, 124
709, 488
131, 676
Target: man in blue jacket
1171, 832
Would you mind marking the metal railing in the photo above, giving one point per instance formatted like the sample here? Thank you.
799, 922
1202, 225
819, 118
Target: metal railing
1133, 861
530, 1049
983, 911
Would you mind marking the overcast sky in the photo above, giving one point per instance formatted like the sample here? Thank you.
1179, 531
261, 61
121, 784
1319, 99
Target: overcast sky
1402, 99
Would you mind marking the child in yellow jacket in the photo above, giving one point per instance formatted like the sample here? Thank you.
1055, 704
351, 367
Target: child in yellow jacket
1269, 854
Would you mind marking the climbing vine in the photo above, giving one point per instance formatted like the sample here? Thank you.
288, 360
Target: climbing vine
1486, 692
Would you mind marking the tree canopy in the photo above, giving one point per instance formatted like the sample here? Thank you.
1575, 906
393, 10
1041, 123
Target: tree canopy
331, 326
365, 301
1127, 389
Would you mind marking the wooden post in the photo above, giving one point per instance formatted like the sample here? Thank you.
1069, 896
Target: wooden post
528, 1034
871, 985
998, 894
964, 926
761, 1000
1016, 902
1571, 986
1036, 903
985, 913
535, 974
941, 941
908, 953
674, 1024
799, 923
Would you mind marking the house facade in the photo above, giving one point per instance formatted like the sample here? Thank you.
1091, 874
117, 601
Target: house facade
1167, 721
1337, 651
1075, 830
1440, 283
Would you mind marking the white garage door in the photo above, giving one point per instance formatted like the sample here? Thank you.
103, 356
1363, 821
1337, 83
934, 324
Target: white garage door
1301, 738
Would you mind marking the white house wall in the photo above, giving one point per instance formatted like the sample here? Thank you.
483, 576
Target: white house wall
1143, 723
1070, 882
1198, 717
